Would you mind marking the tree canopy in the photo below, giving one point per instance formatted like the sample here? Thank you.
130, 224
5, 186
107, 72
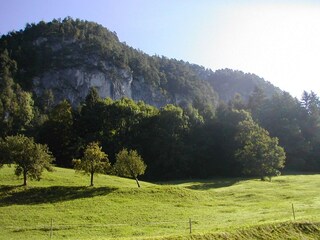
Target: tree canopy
188, 133
29, 158
94, 161
129, 164
16, 105
259, 154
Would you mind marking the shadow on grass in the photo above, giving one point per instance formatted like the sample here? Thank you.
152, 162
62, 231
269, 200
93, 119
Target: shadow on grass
213, 184
205, 184
294, 173
22, 196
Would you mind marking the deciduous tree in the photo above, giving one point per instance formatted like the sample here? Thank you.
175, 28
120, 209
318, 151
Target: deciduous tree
93, 161
129, 164
30, 158
259, 154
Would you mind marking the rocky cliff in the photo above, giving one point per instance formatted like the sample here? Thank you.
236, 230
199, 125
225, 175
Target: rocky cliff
74, 83
69, 57
75, 69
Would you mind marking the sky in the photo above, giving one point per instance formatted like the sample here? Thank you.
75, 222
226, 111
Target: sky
278, 40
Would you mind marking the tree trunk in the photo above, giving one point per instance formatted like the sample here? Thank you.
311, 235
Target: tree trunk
137, 182
91, 180
24, 178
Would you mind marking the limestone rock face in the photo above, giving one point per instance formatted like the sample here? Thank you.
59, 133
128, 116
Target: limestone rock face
69, 65
74, 83
63, 59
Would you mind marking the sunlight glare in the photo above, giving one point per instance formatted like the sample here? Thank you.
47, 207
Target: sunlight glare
277, 42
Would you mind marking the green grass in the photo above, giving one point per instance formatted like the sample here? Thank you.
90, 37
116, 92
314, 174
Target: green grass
116, 208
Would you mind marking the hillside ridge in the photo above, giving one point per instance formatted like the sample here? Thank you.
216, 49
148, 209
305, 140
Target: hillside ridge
68, 57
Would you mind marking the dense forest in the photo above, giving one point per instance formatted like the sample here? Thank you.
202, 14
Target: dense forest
193, 135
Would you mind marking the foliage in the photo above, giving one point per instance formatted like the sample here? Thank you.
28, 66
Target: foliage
259, 153
70, 43
16, 105
29, 157
298, 132
230, 82
94, 161
256, 103
60, 125
129, 164
165, 135
190, 134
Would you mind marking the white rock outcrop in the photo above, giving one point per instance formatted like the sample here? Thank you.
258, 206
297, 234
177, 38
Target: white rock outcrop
73, 84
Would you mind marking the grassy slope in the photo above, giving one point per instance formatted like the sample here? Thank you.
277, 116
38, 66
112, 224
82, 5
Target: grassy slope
115, 207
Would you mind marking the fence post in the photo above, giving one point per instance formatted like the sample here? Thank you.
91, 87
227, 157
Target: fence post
51, 226
190, 225
293, 213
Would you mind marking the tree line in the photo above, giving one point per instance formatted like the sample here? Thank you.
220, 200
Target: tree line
174, 142
258, 138
258, 135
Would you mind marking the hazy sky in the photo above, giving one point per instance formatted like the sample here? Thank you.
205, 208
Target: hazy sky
276, 39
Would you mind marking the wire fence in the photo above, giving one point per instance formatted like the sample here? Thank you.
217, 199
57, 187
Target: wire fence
184, 226
52, 227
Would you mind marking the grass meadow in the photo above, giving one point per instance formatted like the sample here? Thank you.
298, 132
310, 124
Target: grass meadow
62, 206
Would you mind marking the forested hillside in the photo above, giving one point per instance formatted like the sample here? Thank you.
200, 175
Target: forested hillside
70, 56
49, 55
68, 83
228, 83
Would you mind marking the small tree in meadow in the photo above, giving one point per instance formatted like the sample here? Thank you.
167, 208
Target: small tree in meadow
129, 164
93, 161
30, 158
